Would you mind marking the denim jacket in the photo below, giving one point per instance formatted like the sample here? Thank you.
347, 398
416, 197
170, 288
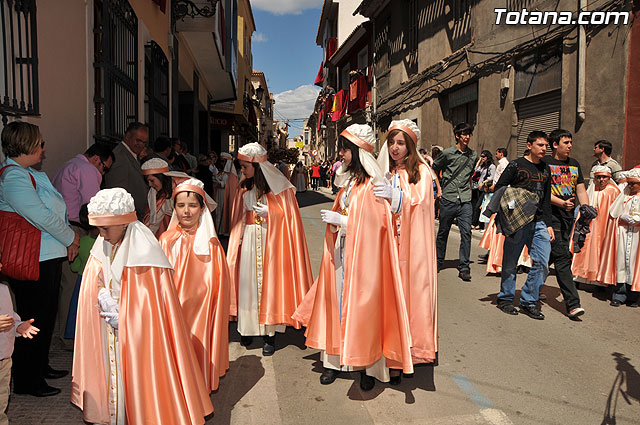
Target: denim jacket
43, 207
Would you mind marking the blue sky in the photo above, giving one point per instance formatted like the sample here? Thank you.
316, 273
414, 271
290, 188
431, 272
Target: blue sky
284, 48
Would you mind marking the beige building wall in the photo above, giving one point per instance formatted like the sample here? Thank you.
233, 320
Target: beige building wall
347, 22
65, 35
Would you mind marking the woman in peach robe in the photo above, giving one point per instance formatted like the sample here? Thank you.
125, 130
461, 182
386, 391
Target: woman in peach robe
201, 278
596, 261
410, 194
355, 311
161, 182
133, 361
268, 258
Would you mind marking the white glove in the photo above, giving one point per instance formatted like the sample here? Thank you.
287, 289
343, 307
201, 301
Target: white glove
261, 209
629, 219
331, 217
106, 301
383, 191
111, 318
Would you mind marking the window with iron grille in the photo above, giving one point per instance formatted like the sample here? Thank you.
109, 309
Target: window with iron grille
156, 82
19, 50
460, 9
412, 36
116, 68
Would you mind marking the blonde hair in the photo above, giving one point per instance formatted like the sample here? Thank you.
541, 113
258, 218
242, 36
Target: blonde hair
20, 138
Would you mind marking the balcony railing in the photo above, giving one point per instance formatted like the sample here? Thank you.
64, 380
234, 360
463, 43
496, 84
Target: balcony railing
19, 71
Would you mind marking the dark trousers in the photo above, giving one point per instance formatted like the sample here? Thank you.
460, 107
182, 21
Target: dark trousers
561, 259
623, 293
314, 182
476, 201
36, 300
448, 212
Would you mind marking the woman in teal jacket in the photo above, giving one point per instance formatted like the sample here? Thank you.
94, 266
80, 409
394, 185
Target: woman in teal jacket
43, 207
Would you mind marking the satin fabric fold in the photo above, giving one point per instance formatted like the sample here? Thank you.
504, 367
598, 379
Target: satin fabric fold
202, 282
230, 190
417, 257
374, 319
493, 241
162, 380
596, 261
286, 271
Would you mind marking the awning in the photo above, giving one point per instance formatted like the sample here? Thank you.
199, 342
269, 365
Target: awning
320, 77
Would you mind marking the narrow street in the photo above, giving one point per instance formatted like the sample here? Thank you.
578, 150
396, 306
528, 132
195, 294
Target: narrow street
493, 368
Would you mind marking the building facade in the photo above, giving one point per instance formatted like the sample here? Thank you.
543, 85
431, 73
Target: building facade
442, 63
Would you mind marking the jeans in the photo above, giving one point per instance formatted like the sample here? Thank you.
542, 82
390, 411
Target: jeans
622, 292
448, 211
561, 258
535, 236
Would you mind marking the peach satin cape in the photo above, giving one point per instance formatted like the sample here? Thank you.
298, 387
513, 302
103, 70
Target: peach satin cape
374, 320
230, 190
162, 381
286, 271
417, 258
203, 288
596, 261
493, 241
163, 223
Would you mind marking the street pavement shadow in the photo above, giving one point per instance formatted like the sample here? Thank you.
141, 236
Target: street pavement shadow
310, 197
242, 376
290, 337
628, 374
451, 264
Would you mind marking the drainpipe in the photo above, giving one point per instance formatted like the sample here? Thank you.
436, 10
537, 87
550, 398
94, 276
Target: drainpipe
582, 64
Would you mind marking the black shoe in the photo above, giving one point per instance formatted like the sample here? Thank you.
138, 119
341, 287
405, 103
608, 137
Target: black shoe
395, 380
542, 297
483, 259
328, 376
246, 341
43, 391
633, 304
509, 309
366, 382
55, 374
532, 311
615, 303
465, 275
269, 346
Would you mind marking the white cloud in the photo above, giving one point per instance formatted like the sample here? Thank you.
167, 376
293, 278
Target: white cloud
259, 37
297, 103
286, 7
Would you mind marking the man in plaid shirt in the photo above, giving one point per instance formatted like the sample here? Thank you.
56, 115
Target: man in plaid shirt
532, 174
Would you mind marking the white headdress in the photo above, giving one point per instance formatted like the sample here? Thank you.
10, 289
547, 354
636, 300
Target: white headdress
617, 208
139, 247
409, 128
362, 136
254, 152
229, 167
206, 230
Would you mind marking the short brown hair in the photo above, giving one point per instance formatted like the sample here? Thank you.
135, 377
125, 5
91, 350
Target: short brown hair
20, 138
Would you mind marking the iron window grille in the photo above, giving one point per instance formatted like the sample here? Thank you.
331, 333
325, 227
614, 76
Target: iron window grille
19, 48
116, 68
156, 90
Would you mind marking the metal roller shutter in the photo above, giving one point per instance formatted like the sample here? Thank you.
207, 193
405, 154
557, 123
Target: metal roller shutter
540, 112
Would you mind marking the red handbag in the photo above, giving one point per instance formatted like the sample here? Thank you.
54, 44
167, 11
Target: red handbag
20, 244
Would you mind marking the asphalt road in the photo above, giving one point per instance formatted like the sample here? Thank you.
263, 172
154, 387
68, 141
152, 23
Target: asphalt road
493, 368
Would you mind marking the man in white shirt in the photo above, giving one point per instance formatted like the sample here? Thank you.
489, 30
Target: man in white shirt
501, 156
602, 151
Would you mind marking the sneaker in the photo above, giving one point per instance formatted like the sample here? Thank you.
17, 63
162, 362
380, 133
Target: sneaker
615, 303
482, 259
509, 309
465, 275
532, 311
575, 312
633, 304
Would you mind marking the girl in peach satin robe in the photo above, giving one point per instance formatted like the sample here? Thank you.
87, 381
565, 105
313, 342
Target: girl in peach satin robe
133, 360
355, 311
201, 278
410, 193
230, 190
161, 182
267, 255
596, 263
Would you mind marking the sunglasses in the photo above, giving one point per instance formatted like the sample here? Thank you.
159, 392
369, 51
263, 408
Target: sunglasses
104, 167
